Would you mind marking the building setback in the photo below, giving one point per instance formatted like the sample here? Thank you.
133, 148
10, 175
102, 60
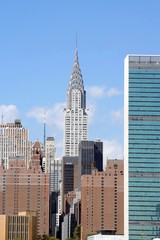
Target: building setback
23, 189
76, 126
142, 151
102, 200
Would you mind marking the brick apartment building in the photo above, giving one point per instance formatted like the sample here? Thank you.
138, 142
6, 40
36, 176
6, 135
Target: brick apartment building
103, 200
23, 189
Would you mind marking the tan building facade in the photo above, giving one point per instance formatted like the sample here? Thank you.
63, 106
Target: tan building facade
13, 142
103, 200
21, 226
23, 189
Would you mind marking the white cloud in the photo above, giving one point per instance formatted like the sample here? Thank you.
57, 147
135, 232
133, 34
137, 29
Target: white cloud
8, 113
91, 112
96, 91
112, 149
102, 91
112, 92
118, 115
54, 115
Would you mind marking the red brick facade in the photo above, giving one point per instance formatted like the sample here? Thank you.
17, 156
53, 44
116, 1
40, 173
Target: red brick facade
103, 200
23, 189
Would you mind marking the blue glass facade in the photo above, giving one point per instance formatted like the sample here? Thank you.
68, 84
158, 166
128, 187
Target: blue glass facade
143, 147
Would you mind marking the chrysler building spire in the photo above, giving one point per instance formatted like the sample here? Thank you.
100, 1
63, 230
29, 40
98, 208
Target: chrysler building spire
76, 128
76, 82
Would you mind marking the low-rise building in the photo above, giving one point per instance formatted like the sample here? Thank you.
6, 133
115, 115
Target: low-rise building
21, 226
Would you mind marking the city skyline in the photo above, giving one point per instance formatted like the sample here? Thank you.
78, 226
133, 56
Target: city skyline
38, 43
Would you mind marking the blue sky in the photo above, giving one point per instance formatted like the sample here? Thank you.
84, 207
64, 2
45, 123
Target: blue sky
37, 48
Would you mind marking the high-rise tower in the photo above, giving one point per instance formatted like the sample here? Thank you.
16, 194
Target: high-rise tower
13, 142
75, 113
142, 147
90, 156
102, 200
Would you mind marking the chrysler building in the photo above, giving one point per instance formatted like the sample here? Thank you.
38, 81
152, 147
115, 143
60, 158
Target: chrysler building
76, 127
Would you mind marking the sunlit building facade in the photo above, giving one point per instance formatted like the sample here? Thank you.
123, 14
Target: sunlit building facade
76, 127
102, 202
141, 147
50, 153
21, 226
23, 189
13, 142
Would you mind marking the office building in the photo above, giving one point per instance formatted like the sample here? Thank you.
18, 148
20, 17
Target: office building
70, 174
102, 203
55, 198
13, 142
90, 156
25, 189
49, 153
141, 147
21, 226
76, 126
55, 174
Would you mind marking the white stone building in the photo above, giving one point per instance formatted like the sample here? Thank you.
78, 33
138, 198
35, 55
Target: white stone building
76, 126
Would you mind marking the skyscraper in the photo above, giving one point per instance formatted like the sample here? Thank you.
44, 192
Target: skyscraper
25, 189
75, 113
13, 142
141, 147
49, 153
55, 179
90, 156
69, 174
102, 200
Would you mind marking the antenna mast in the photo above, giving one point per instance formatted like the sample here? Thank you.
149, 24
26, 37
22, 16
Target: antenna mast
44, 140
76, 40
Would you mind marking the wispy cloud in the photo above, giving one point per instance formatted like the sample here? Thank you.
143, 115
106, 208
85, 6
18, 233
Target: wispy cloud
91, 112
8, 113
54, 115
112, 92
117, 115
102, 91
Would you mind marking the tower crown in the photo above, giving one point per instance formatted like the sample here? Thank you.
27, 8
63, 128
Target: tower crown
76, 83
76, 76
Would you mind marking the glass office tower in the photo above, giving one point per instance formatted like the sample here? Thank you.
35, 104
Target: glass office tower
142, 147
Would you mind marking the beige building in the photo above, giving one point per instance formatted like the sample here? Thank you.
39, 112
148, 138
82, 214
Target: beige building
21, 226
49, 153
13, 142
103, 200
23, 189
